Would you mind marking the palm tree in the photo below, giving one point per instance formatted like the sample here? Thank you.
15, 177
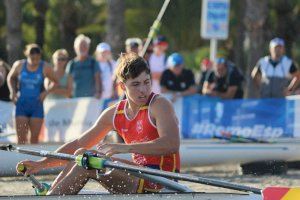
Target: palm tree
41, 7
14, 31
256, 14
115, 25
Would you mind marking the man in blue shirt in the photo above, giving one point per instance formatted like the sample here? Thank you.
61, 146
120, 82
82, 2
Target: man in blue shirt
83, 70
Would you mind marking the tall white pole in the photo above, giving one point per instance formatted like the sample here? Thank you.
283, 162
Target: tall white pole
213, 49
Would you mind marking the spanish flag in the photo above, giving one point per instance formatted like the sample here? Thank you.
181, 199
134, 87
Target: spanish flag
281, 193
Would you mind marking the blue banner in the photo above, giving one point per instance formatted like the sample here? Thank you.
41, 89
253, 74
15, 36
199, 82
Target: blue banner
205, 117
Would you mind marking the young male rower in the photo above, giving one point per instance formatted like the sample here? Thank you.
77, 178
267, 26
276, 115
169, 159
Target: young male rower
148, 125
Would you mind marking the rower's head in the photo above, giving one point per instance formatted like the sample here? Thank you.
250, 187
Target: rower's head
134, 75
33, 53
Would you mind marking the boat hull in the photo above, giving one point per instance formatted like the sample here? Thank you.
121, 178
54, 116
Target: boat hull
195, 196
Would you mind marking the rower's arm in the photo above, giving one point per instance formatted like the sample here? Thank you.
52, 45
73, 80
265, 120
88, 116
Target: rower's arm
87, 140
167, 126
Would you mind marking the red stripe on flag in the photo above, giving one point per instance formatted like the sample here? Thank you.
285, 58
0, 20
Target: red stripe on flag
274, 193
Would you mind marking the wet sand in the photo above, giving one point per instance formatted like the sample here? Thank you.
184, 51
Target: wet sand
232, 173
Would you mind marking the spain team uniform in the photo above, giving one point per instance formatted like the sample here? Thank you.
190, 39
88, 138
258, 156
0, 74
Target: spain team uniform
142, 129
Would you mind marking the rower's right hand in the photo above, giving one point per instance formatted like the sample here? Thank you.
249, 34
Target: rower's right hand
31, 167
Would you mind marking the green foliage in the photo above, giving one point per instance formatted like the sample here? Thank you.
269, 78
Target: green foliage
181, 25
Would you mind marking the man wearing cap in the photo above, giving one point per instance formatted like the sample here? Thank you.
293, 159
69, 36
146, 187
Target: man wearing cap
226, 82
107, 67
176, 80
157, 61
273, 73
133, 45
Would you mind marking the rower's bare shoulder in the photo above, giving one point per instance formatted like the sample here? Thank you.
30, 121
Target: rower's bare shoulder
109, 112
161, 104
17, 67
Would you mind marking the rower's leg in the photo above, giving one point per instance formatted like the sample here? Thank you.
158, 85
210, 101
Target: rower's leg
63, 173
119, 182
72, 179
22, 124
35, 125
73, 182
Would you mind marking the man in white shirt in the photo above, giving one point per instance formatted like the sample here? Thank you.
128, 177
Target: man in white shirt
107, 67
276, 75
157, 61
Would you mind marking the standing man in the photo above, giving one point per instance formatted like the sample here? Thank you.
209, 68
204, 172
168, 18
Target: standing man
157, 61
177, 80
227, 82
276, 75
147, 123
83, 71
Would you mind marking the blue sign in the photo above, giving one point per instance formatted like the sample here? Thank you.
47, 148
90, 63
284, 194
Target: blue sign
205, 117
214, 19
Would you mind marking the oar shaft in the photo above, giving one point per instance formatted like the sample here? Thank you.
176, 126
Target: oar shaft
183, 177
47, 154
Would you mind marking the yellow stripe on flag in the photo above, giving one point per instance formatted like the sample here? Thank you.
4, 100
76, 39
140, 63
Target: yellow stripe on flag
292, 194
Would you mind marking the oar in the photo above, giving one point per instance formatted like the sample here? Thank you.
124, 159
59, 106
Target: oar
96, 164
100, 163
154, 28
239, 139
40, 189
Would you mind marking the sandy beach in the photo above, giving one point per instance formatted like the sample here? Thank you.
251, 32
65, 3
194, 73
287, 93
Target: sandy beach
232, 173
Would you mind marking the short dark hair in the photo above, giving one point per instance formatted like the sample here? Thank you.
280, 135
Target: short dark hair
130, 65
32, 49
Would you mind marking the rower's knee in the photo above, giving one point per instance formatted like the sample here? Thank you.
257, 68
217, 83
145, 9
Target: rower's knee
80, 151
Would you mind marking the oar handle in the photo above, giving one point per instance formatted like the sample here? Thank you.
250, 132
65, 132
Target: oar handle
88, 162
40, 189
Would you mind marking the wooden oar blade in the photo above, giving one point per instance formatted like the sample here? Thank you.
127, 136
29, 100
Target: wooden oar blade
281, 193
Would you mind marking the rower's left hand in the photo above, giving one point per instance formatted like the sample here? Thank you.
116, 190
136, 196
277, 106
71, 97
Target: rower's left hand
109, 149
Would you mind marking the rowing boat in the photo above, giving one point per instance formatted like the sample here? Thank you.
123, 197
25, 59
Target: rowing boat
176, 190
193, 153
179, 196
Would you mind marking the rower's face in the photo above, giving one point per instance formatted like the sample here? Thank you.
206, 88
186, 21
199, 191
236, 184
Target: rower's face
138, 89
34, 59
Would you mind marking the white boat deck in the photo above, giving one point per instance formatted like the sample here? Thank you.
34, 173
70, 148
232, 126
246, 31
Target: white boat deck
171, 196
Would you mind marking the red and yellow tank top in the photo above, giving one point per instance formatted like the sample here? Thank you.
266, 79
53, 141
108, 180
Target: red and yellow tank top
142, 129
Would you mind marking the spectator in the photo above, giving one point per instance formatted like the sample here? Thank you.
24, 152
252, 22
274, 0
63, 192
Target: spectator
207, 73
64, 87
25, 82
157, 61
4, 70
107, 67
227, 81
273, 74
177, 80
83, 71
133, 45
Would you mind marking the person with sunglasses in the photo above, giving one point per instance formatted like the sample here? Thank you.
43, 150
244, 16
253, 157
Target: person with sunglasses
64, 87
